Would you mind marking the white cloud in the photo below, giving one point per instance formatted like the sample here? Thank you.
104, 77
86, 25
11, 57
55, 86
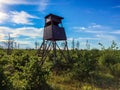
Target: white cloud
30, 32
2, 36
116, 32
87, 38
30, 35
83, 38
25, 44
82, 28
5, 30
3, 17
16, 17
4, 3
21, 17
24, 2
83, 41
98, 32
94, 25
93, 28
11, 2
43, 4
106, 37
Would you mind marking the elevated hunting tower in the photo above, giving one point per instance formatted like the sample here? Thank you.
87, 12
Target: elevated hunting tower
54, 33
53, 28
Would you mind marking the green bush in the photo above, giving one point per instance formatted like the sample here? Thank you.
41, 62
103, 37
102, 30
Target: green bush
115, 70
36, 76
85, 66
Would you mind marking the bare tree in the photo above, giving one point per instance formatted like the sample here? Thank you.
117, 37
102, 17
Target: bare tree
78, 45
36, 45
73, 44
102, 46
1, 46
18, 46
62, 45
15, 45
87, 45
9, 44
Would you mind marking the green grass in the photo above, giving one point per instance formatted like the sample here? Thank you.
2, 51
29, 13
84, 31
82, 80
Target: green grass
63, 82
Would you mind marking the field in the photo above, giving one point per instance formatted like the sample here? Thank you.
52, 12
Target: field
86, 70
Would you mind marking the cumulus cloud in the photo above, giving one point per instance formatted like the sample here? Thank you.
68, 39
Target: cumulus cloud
99, 32
106, 37
84, 41
2, 36
93, 28
83, 38
43, 4
4, 3
11, 2
25, 36
116, 32
21, 17
16, 17
3, 17
30, 32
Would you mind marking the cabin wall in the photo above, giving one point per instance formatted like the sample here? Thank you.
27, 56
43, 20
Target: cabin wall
53, 32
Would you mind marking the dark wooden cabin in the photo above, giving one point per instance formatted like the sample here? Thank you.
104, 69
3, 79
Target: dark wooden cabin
53, 29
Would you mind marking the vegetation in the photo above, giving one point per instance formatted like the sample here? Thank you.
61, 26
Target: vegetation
87, 70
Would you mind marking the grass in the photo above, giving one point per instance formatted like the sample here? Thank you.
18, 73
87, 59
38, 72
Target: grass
63, 82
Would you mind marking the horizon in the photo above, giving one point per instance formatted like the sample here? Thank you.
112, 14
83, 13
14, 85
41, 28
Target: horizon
84, 20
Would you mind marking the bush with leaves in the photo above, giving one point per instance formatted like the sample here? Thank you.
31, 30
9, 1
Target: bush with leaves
4, 80
37, 75
85, 66
115, 70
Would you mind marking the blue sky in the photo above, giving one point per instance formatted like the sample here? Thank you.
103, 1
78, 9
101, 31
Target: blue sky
92, 20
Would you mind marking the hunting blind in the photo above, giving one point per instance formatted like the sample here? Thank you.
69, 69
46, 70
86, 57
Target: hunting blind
53, 28
53, 33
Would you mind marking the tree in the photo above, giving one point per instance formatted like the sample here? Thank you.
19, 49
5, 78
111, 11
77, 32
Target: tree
5, 83
37, 76
9, 44
36, 45
85, 65
87, 45
102, 46
113, 46
73, 44
78, 45
3, 80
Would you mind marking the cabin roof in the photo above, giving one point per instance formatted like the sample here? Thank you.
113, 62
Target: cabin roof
52, 15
